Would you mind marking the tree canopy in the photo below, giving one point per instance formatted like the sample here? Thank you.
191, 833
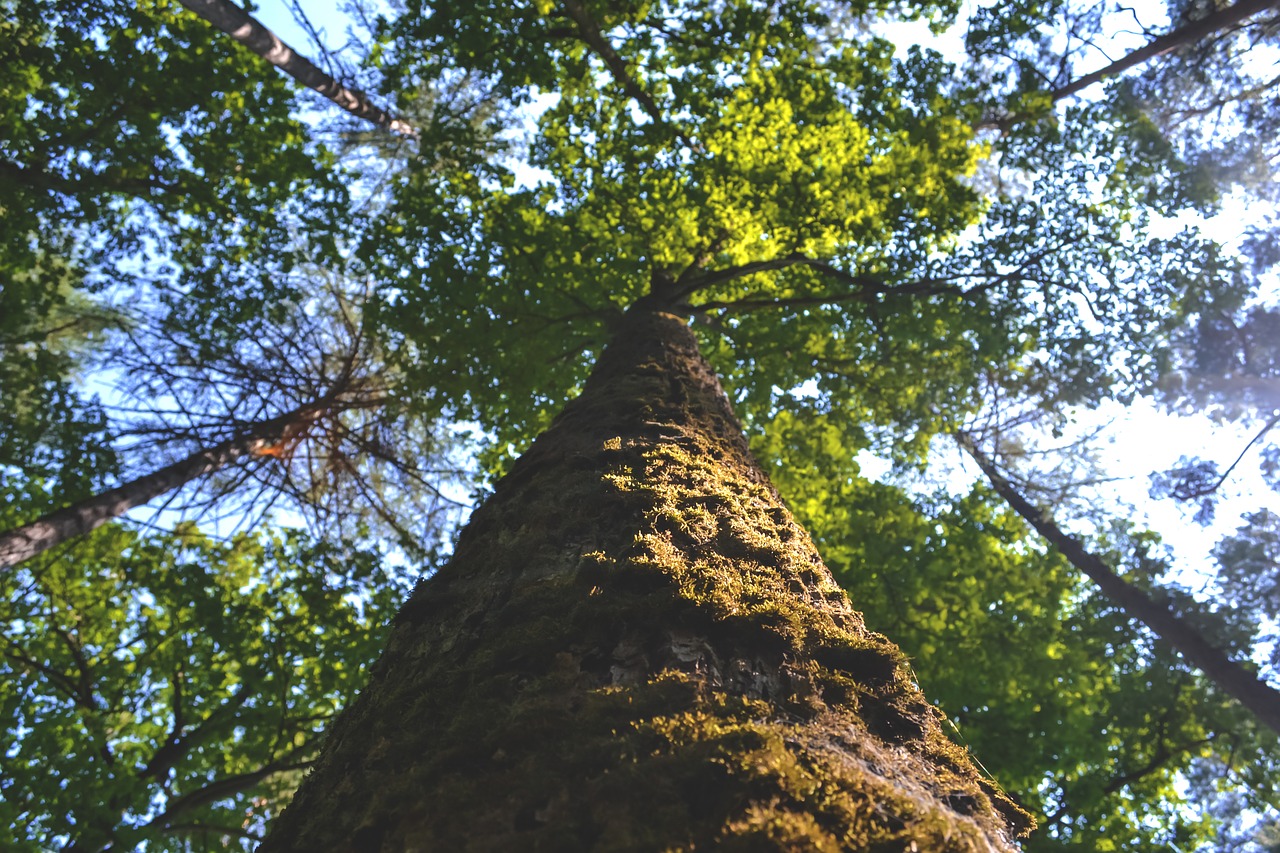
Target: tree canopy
877, 244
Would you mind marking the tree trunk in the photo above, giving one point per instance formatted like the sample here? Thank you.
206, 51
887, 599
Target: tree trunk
263, 439
1233, 678
1181, 37
635, 647
251, 33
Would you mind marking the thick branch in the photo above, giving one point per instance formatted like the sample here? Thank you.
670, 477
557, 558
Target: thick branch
222, 788
40, 178
1233, 678
865, 286
59, 680
251, 33
1162, 756
617, 66
182, 740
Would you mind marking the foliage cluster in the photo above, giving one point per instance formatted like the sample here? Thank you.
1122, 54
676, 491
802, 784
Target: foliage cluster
867, 238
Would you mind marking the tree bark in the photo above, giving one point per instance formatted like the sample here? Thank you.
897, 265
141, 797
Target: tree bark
635, 647
25, 542
1233, 678
251, 33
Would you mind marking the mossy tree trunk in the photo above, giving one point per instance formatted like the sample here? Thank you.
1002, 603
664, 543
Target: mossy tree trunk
635, 647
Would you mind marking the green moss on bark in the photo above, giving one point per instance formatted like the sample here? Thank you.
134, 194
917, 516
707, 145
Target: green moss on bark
636, 647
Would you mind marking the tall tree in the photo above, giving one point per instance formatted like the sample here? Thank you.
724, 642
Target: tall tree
808, 206
807, 202
685, 675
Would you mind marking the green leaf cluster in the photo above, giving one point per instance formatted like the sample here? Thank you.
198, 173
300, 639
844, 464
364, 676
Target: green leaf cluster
168, 689
144, 146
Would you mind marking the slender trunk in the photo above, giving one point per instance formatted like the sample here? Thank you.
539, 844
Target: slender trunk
1181, 37
590, 33
25, 542
1233, 678
251, 33
635, 647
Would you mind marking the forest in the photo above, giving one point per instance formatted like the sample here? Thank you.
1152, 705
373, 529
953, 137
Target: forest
639, 425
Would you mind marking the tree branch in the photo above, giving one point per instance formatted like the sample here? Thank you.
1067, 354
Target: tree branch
590, 33
865, 286
222, 788
1192, 494
180, 742
40, 178
1170, 41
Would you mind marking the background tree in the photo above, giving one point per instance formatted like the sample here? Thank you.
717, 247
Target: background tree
1230, 675
154, 300
303, 411
250, 32
1090, 720
50, 430
1192, 74
203, 242
1226, 365
180, 191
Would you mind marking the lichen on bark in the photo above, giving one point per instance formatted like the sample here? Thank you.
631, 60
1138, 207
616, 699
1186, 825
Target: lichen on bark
635, 647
